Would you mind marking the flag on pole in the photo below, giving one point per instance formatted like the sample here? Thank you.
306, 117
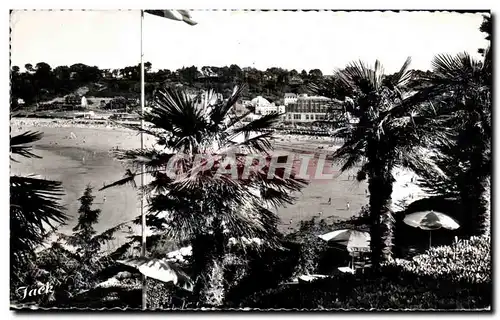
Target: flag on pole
179, 15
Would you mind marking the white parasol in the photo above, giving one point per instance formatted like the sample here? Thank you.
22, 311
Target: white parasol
430, 220
354, 240
160, 269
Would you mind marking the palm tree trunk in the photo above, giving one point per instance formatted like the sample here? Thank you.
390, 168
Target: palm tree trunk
486, 201
382, 221
381, 218
476, 203
208, 255
475, 194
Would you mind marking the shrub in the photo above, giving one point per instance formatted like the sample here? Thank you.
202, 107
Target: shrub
466, 260
450, 277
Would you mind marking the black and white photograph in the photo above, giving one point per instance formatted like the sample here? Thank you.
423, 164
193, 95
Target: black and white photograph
250, 159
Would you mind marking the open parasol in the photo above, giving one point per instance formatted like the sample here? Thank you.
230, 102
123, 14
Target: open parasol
354, 240
160, 269
430, 220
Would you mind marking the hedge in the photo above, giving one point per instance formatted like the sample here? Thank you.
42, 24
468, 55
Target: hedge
444, 278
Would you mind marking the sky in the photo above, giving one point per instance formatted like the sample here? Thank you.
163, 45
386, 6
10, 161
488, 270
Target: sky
324, 40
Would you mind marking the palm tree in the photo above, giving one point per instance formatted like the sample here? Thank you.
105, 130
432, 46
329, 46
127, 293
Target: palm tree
200, 204
461, 86
393, 130
34, 209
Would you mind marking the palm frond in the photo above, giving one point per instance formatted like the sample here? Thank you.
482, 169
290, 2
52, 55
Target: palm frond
18, 143
257, 125
34, 210
403, 76
218, 114
128, 179
108, 234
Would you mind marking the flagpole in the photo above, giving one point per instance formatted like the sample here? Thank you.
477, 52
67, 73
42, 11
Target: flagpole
143, 216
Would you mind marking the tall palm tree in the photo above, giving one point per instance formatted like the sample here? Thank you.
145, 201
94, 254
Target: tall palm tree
392, 131
34, 209
191, 202
461, 86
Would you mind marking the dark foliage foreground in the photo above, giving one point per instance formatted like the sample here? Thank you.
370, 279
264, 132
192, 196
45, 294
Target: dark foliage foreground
447, 277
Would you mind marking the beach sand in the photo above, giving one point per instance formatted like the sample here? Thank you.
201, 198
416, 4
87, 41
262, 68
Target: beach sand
80, 155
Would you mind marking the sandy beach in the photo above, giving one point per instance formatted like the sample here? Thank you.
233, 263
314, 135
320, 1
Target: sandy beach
79, 154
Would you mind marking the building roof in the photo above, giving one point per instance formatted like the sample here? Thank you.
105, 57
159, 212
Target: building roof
314, 98
260, 101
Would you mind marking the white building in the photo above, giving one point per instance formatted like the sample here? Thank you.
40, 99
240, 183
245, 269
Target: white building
290, 98
84, 102
262, 106
85, 115
259, 101
308, 109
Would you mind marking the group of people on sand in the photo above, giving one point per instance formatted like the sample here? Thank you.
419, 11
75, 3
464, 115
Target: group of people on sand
329, 202
347, 204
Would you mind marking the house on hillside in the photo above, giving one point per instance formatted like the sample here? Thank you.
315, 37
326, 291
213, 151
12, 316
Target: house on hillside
263, 106
295, 81
72, 100
84, 103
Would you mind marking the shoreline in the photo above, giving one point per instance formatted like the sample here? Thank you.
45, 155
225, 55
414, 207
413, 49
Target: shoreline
302, 144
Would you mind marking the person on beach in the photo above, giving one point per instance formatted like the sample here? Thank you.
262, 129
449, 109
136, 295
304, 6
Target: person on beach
291, 221
347, 205
104, 199
329, 201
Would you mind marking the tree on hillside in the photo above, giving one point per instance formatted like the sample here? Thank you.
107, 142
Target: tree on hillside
188, 75
44, 77
393, 130
487, 27
315, 74
207, 207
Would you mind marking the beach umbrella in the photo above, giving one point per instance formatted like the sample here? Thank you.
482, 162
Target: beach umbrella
430, 220
354, 240
160, 269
